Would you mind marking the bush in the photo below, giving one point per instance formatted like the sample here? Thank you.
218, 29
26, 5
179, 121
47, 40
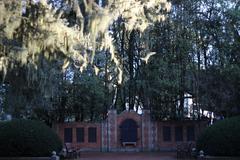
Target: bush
222, 138
27, 138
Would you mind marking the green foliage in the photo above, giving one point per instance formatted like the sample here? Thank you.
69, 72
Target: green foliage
219, 89
86, 97
27, 138
222, 138
197, 52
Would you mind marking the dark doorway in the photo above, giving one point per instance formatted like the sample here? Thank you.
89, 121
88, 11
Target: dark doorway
128, 132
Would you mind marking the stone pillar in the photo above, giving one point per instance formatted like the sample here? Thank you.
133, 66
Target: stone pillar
146, 130
104, 134
153, 136
112, 130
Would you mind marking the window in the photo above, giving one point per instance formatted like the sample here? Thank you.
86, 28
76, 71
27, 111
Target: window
80, 135
178, 133
68, 135
92, 135
166, 133
190, 133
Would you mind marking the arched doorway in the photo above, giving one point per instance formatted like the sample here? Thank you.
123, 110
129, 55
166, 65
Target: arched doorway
128, 132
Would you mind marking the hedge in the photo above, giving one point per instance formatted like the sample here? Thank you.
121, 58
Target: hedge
222, 138
27, 138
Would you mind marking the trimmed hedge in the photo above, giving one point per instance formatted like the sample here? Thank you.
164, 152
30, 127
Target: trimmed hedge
222, 138
27, 138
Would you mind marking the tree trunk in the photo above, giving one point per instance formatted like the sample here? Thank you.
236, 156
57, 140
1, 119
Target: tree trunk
131, 70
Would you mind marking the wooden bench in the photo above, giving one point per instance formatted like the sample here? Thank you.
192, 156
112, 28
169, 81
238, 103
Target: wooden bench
184, 150
71, 152
129, 143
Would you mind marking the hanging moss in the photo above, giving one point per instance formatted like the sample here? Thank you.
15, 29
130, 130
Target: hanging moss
42, 28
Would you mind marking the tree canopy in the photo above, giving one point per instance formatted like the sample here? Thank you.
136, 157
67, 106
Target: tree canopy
75, 59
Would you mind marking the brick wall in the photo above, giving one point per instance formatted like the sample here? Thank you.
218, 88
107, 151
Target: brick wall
185, 124
150, 134
85, 145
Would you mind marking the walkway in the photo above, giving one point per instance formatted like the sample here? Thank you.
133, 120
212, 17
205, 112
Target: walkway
128, 156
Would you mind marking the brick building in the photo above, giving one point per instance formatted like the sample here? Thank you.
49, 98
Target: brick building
129, 131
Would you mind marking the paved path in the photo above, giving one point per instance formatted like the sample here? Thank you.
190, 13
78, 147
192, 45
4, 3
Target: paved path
127, 156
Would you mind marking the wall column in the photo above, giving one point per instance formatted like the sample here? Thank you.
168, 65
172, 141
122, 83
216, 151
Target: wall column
146, 127
112, 130
104, 134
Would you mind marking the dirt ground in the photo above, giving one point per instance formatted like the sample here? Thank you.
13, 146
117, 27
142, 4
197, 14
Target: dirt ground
127, 156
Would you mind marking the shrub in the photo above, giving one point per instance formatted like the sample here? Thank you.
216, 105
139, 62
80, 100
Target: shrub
222, 138
27, 138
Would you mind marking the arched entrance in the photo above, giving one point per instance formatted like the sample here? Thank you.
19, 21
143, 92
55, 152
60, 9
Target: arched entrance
128, 132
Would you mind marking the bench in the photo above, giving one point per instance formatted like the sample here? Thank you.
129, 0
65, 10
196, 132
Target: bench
71, 152
184, 150
129, 143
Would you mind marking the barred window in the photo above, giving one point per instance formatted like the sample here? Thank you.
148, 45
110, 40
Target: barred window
166, 133
178, 133
80, 135
190, 133
92, 135
68, 135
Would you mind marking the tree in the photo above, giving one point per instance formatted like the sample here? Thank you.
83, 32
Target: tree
41, 40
